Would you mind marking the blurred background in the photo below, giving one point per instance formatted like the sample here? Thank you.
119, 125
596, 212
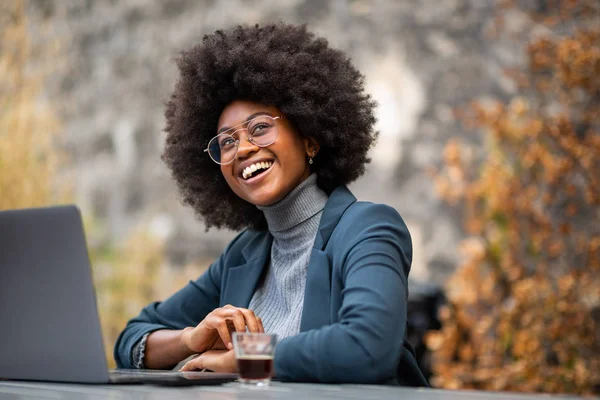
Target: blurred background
489, 148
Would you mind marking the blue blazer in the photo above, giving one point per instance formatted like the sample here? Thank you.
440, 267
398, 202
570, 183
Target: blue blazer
353, 323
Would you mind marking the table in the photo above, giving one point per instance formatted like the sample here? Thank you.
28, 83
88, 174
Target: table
13, 390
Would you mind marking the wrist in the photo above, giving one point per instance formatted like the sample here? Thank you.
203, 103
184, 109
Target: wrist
184, 339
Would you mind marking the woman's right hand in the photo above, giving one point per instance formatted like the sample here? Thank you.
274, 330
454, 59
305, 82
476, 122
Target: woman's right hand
215, 330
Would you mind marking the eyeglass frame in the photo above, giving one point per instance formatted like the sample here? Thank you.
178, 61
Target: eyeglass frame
237, 141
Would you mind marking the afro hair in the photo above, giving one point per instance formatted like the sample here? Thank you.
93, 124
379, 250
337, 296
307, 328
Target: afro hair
314, 86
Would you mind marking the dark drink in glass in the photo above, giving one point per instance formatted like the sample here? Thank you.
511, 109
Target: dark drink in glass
254, 354
255, 367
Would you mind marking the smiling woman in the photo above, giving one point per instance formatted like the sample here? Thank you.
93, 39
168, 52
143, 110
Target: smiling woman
286, 155
265, 127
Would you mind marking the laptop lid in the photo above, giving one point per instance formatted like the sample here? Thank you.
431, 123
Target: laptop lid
49, 324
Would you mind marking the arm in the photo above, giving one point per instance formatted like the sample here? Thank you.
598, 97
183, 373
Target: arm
366, 344
167, 319
165, 348
168, 347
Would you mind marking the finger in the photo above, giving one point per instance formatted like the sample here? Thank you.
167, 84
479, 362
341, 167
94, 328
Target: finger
223, 330
218, 345
194, 364
219, 360
241, 317
220, 320
251, 320
260, 325
238, 320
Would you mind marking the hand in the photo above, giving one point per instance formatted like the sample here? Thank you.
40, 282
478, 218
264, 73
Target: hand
214, 332
214, 360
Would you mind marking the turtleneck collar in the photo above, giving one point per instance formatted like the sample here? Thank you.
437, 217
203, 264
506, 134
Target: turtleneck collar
302, 203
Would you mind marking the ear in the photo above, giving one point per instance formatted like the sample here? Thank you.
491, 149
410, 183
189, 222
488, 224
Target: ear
311, 146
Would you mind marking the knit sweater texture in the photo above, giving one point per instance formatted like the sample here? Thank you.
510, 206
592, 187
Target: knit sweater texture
278, 300
293, 222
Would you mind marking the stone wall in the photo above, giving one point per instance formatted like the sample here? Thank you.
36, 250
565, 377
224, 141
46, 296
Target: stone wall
421, 60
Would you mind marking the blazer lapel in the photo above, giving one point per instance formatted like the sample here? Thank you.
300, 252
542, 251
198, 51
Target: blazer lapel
317, 294
316, 309
339, 200
241, 280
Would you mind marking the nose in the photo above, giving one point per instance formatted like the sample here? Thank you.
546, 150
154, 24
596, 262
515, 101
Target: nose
246, 147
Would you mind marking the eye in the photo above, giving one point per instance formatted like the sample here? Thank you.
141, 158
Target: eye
226, 142
260, 128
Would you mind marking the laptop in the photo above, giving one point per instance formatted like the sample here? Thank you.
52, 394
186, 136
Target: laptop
49, 324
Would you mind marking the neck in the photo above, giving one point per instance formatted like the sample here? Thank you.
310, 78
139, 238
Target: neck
301, 204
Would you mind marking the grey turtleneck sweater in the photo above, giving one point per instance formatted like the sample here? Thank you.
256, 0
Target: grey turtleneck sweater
278, 300
293, 222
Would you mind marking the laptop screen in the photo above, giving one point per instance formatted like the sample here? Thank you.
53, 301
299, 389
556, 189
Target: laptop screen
49, 325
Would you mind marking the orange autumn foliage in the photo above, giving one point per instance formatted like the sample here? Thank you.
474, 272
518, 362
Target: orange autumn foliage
523, 309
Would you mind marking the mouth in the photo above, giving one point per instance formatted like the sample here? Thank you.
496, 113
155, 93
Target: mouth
255, 170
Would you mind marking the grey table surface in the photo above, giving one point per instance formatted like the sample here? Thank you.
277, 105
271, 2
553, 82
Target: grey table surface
13, 390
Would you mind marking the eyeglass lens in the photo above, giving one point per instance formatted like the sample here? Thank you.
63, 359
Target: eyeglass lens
262, 131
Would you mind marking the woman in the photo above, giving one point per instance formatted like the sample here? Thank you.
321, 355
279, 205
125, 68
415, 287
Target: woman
265, 127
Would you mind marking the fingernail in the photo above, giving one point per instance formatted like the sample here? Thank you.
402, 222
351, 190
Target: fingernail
229, 345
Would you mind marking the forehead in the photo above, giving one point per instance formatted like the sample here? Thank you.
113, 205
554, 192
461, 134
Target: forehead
238, 111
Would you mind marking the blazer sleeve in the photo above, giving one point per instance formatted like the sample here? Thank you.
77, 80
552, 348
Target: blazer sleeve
187, 307
374, 247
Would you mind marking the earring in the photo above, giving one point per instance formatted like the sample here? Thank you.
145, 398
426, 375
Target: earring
310, 159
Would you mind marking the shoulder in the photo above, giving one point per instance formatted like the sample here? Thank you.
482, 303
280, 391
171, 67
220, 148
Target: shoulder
366, 223
362, 215
367, 231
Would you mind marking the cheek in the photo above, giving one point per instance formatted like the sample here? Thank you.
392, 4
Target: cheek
297, 159
226, 171
293, 152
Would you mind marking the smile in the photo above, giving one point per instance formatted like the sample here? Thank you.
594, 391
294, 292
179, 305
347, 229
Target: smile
256, 169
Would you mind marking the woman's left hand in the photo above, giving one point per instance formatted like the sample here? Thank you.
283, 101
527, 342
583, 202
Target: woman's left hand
214, 360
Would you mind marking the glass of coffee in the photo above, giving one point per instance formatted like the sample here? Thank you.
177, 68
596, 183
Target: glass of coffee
254, 356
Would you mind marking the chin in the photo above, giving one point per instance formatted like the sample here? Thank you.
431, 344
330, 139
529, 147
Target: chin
263, 195
264, 200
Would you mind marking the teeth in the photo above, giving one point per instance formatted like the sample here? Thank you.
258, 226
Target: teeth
248, 171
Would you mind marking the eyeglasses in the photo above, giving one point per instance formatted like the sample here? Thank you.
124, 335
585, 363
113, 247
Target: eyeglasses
262, 132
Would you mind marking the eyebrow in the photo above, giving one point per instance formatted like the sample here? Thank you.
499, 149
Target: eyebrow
248, 118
